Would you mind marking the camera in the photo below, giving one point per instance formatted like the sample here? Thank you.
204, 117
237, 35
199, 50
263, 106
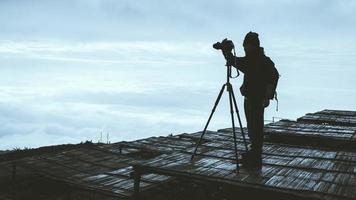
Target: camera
225, 45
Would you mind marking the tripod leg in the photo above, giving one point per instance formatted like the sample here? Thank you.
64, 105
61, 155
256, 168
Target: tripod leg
207, 123
239, 118
233, 125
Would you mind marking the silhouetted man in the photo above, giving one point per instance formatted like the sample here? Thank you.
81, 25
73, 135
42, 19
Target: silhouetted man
260, 79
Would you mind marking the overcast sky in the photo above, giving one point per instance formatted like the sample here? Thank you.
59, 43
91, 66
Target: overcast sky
73, 69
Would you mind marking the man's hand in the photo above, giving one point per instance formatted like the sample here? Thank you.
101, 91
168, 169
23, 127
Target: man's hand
229, 57
265, 103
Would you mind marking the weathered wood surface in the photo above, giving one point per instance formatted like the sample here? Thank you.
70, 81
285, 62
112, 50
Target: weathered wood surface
94, 168
103, 168
327, 128
325, 174
338, 112
286, 168
317, 135
335, 117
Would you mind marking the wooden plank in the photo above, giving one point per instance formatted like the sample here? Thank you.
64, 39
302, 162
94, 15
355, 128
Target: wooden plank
338, 112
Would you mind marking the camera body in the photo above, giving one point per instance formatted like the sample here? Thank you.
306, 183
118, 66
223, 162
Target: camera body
225, 45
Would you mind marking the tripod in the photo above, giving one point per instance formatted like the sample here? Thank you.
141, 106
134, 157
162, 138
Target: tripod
233, 105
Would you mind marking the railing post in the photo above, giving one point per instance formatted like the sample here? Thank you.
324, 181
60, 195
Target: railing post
13, 180
137, 179
136, 175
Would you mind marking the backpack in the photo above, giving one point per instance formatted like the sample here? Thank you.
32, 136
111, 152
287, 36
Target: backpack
272, 77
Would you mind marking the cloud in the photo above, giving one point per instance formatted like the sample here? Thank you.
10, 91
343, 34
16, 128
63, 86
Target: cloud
72, 69
126, 53
171, 21
52, 102
54, 122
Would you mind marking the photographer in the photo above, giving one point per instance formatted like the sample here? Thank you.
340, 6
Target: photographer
259, 84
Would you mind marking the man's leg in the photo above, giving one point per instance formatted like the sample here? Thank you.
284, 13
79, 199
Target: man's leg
257, 112
254, 112
247, 157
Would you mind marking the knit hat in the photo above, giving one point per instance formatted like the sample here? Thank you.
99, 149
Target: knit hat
252, 39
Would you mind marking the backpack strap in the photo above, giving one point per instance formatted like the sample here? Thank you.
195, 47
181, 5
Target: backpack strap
275, 97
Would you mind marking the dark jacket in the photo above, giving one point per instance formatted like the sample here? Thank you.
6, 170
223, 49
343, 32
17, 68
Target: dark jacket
257, 71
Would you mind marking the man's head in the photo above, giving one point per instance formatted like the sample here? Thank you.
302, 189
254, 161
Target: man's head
251, 43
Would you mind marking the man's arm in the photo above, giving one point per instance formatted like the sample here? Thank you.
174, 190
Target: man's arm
238, 62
